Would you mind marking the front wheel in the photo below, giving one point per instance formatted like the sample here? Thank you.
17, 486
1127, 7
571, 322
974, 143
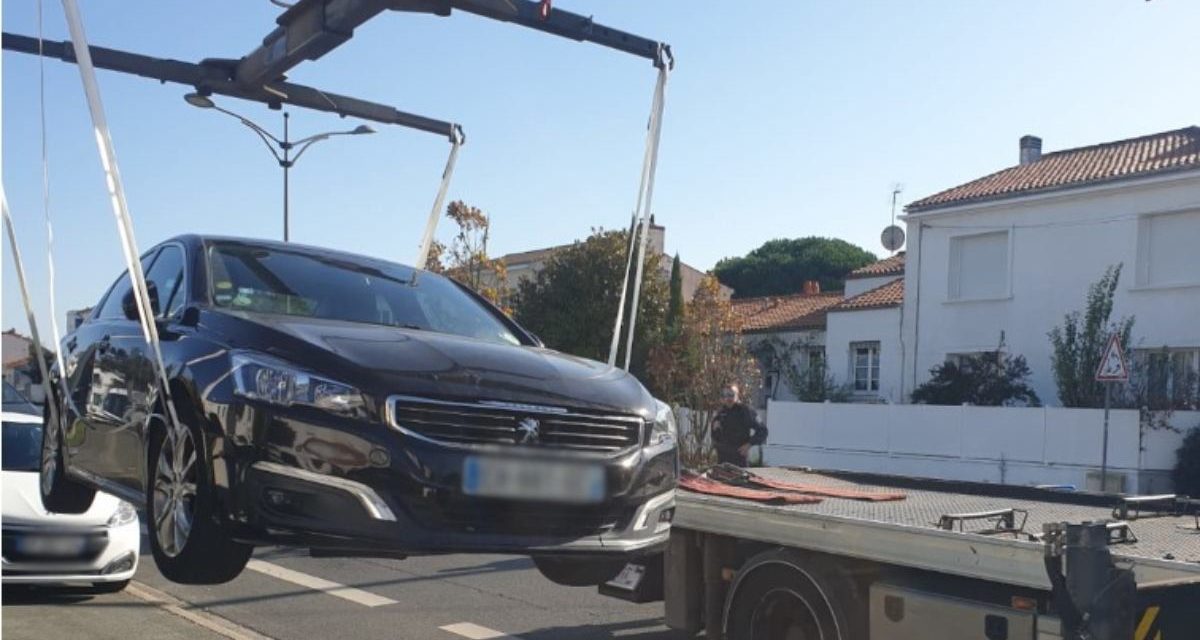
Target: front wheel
60, 493
186, 537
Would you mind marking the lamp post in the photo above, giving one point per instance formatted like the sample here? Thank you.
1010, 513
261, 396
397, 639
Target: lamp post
284, 156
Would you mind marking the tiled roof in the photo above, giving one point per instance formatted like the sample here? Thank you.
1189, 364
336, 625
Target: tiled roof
888, 295
1135, 157
772, 313
892, 266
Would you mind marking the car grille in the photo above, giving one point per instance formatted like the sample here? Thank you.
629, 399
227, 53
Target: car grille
463, 423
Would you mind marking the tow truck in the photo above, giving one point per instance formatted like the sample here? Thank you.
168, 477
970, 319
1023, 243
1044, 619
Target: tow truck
949, 560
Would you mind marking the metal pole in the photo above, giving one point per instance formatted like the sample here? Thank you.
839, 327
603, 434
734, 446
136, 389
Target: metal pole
1104, 452
286, 166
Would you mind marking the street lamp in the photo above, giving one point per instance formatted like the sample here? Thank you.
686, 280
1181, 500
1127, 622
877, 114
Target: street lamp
285, 159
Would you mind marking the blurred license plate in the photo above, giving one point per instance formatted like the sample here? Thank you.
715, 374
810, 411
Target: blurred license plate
51, 546
548, 480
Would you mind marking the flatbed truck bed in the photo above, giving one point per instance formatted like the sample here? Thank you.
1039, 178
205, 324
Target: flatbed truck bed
951, 560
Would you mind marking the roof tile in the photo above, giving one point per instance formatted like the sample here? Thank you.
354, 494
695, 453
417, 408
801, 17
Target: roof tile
771, 313
1136, 157
888, 295
887, 267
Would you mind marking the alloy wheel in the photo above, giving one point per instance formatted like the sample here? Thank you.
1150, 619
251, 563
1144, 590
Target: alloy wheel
174, 500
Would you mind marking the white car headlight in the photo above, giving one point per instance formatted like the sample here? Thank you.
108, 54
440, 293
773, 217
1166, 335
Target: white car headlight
124, 514
262, 377
664, 430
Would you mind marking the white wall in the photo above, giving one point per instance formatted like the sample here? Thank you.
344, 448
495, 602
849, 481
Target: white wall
810, 338
867, 325
1009, 445
855, 286
1060, 245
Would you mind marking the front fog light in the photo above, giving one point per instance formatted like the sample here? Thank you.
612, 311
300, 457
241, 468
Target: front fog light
664, 430
120, 565
124, 514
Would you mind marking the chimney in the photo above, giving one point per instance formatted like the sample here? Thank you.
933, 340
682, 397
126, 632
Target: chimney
812, 287
1031, 149
658, 237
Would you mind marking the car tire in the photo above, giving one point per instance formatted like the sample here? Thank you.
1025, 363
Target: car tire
186, 538
577, 572
110, 587
60, 492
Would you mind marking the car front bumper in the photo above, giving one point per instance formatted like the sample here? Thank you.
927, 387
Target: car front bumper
316, 481
116, 562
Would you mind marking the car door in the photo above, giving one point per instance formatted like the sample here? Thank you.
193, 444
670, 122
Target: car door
115, 403
134, 381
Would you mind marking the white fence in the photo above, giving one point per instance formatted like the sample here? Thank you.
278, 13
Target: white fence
983, 444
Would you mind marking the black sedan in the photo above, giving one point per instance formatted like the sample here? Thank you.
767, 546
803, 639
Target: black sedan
355, 407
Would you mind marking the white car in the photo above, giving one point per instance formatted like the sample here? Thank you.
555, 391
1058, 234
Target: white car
99, 546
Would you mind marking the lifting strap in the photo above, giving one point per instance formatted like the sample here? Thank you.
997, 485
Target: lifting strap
645, 198
120, 207
54, 332
33, 330
456, 141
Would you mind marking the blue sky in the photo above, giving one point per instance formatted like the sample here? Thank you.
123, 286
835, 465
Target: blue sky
784, 119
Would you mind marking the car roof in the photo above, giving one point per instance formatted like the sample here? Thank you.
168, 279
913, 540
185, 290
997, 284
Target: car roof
206, 239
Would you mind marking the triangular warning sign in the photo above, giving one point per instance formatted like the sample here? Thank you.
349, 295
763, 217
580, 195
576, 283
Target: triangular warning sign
1112, 364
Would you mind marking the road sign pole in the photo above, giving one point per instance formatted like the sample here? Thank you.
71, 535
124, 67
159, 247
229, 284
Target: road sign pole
1104, 448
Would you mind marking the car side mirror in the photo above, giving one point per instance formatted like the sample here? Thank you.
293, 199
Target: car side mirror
129, 304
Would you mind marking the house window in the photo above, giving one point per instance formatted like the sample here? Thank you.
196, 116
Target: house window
979, 266
1170, 374
1167, 249
816, 362
865, 360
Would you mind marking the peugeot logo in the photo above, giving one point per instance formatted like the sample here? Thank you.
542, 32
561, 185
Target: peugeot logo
529, 431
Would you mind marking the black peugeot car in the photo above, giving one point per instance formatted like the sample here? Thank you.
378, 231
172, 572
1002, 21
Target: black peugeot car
355, 407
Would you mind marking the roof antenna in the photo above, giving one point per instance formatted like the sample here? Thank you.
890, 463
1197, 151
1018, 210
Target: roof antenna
893, 236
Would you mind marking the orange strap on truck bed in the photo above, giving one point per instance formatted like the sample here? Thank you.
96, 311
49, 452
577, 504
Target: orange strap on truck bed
740, 477
700, 484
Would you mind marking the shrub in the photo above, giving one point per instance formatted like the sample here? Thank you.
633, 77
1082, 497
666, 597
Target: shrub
1186, 474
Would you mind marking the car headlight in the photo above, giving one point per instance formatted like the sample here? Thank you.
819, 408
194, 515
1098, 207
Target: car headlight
124, 514
664, 430
261, 377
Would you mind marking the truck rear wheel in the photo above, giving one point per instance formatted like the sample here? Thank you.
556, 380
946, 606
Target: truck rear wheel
785, 595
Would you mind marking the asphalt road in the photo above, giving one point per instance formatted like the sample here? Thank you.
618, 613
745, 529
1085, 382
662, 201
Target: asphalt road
286, 595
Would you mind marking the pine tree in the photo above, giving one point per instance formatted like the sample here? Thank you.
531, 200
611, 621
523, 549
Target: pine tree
675, 305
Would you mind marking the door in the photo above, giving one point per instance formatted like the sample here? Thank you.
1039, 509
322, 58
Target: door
130, 379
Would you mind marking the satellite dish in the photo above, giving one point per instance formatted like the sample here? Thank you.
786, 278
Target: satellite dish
892, 237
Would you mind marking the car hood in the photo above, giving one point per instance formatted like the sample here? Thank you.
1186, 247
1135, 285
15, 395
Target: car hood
22, 504
386, 360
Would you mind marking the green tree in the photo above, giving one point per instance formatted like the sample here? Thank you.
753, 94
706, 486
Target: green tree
675, 305
572, 302
1080, 340
782, 266
1186, 474
989, 379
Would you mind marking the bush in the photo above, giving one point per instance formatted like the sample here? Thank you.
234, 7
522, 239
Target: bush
989, 379
1186, 474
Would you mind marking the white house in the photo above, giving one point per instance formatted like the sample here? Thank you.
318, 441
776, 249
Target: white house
862, 332
1012, 252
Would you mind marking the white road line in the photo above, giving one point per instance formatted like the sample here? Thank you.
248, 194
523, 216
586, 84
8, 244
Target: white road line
171, 605
475, 632
365, 598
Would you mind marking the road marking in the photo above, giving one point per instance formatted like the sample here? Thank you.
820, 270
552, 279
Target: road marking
171, 605
365, 598
474, 631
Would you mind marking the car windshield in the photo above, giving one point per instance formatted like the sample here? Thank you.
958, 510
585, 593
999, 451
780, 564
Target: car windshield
256, 279
15, 401
22, 442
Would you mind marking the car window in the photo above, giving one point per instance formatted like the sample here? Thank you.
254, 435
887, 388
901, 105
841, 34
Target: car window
261, 280
22, 443
167, 275
110, 308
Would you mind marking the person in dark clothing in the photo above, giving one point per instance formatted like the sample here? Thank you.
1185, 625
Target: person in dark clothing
735, 429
